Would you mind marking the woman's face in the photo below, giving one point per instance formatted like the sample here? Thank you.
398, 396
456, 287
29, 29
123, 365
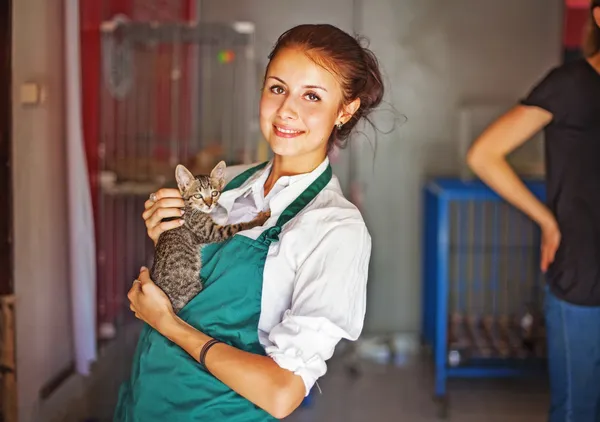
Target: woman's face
300, 105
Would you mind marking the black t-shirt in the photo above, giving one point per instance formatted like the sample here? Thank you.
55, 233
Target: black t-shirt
571, 92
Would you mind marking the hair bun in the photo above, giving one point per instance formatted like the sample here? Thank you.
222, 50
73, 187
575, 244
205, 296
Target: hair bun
373, 91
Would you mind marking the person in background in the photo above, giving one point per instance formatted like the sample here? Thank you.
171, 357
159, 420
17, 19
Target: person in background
277, 298
566, 105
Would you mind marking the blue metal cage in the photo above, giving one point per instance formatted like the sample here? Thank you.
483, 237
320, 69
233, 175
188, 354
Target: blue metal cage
482, 289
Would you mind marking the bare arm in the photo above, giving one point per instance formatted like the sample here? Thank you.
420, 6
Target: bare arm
257, 378
487, 158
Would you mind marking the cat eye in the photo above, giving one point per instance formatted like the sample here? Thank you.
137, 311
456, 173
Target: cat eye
198, 196
215, 194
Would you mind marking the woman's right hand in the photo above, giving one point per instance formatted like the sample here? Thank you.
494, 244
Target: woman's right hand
550, 242
168, 204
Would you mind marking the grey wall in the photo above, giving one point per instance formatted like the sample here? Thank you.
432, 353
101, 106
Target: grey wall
435, 55
44, 343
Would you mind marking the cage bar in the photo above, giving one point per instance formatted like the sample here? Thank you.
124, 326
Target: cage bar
171, 92
481, 284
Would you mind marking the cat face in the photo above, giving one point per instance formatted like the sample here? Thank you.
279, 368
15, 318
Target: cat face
201, 193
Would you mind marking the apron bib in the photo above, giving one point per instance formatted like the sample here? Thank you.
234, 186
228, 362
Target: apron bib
166, 383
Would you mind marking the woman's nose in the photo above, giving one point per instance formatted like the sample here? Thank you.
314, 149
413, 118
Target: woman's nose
288, 110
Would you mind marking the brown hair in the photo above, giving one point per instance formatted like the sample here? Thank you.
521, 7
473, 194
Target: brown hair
355, 67
591, 44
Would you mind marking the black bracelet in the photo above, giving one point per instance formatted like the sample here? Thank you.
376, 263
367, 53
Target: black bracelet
210, 343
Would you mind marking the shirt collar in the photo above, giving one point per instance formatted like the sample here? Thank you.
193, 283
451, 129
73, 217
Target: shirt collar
293, 186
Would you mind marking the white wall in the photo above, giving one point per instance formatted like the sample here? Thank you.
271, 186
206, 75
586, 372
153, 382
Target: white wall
44, 343
435, 55
438, 55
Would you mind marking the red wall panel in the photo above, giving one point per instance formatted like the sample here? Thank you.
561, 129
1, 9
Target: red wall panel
92, 14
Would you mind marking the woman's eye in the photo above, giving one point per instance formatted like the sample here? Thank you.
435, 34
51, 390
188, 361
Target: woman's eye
214, 194
198, 196
276, 89
312, 97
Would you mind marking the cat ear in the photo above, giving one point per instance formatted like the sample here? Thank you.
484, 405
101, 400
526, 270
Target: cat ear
219, 171
184, 178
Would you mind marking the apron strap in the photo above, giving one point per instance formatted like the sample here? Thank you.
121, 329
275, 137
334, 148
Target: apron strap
241, 178
310, 193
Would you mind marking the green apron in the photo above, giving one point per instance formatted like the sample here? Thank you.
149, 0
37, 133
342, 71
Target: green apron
166, 383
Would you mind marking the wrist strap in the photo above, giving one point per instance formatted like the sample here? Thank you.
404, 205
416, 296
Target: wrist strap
210, 343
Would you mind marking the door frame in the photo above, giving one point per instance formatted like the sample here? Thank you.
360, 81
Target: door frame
6, 197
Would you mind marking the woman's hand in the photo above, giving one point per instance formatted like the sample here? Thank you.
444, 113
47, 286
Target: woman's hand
549, 244
149, 302
166, 203
257, 378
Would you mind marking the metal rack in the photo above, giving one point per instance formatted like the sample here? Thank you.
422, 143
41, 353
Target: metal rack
482, 291
171, 92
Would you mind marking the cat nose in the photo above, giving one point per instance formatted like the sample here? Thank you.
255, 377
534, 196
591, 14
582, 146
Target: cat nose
208, 202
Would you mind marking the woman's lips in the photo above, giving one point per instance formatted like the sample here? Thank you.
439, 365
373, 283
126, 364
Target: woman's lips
286, 133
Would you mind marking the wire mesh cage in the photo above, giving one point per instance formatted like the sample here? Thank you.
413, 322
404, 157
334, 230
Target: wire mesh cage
482, 295
171, 92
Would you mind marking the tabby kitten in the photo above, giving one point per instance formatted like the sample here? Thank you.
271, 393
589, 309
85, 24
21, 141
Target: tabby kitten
177, 257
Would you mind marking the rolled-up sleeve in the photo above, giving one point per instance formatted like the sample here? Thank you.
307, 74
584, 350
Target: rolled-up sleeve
328, 303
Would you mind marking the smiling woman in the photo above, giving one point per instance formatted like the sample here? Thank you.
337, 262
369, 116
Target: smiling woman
299, 107
351, 85
319, 83
277, 298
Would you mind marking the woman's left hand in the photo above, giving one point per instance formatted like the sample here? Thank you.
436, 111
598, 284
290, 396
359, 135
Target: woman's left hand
149, 302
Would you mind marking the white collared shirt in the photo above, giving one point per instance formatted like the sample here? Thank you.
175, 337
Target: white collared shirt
315, 276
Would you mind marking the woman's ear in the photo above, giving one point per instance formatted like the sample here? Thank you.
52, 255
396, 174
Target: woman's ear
348, 111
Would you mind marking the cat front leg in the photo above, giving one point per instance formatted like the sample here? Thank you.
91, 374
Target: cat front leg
221, 233
259, 220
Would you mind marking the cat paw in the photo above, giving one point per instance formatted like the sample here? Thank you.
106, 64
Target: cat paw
263, 216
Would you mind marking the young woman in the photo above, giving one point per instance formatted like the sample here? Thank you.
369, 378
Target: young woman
277, 298
567, 104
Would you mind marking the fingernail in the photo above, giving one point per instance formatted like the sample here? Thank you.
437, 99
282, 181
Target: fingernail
143, 268
181, 222
182, 212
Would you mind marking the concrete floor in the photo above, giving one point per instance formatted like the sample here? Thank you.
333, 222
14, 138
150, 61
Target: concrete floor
393, 394
381, 393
